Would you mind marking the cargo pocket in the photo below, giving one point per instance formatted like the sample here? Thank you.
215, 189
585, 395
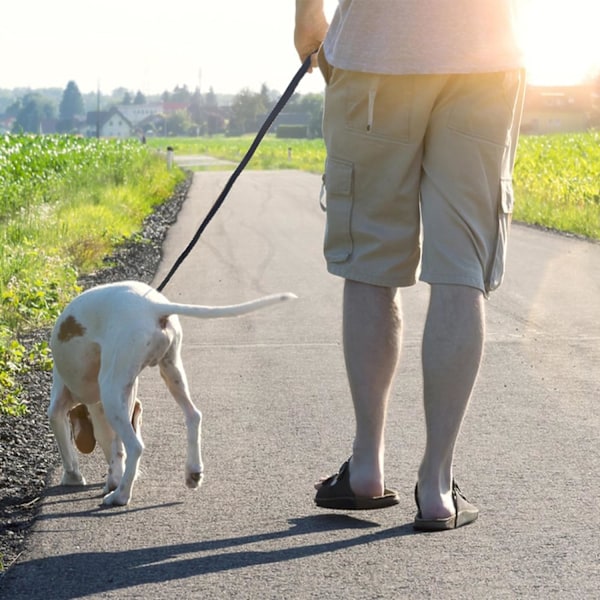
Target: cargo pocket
505, 209
339, 175
324, 66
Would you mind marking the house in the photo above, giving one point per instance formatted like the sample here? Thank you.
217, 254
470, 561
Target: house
110, 124
136, 113
557, 109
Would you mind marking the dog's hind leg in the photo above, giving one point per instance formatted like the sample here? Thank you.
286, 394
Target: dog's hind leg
172, 371
61, 401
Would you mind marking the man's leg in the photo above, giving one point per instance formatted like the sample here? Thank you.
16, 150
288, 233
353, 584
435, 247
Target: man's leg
371, 324
452, 352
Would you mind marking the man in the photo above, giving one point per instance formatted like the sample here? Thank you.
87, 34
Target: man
421, 118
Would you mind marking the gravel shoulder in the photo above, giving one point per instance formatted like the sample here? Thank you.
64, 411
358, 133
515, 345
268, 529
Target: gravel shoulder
27, 450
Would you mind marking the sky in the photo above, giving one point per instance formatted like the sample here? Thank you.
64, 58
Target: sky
227, 45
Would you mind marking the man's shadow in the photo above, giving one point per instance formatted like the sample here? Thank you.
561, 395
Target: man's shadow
77, 575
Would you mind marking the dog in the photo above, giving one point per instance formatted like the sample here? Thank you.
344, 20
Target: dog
100, 344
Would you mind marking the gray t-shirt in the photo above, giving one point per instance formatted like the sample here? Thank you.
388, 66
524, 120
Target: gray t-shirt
400, 37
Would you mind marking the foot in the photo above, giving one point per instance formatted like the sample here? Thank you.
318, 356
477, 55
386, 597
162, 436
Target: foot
463, 513
72, 478
363, 480
117, 497
335, 492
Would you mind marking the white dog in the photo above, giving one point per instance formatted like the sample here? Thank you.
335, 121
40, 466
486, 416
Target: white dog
100, 344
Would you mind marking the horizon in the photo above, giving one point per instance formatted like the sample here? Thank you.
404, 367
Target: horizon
129, 48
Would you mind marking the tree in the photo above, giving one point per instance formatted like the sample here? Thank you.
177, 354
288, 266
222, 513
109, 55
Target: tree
246, 109
179, 123
34, 110
312, 104
71, 106
266, 97
181, 94
197, 109
139, 98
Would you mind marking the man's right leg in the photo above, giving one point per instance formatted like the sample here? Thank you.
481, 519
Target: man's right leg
452, 352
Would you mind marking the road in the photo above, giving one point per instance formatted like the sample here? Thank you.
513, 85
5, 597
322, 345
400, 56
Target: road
277, 416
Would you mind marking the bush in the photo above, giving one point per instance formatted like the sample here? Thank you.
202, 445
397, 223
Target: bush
292, 131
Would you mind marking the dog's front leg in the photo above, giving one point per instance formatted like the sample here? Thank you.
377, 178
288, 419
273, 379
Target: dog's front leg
116, 400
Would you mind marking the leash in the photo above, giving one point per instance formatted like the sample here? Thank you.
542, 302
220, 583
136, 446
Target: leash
251, 150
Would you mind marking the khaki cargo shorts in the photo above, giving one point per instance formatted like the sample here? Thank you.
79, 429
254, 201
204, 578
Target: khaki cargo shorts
419, 175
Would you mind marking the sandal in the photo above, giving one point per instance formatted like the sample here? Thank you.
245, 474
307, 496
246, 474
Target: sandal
465, 513
335, 493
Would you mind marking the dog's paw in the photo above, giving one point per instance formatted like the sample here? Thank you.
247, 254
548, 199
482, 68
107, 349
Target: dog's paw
116, 498
193, 480
72, 478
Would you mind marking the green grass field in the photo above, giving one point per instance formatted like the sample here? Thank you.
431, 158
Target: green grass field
557, 177
65, 203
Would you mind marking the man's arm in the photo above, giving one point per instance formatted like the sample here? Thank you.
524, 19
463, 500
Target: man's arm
311, 27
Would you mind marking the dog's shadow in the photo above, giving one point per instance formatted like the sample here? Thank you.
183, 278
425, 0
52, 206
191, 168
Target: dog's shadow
156, 564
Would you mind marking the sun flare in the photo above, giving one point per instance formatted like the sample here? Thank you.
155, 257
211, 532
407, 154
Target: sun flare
561, 41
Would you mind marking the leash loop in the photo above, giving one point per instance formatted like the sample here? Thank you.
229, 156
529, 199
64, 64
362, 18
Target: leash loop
236, 173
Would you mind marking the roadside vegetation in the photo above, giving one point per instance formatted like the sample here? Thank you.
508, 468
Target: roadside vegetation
557, 182
65, 204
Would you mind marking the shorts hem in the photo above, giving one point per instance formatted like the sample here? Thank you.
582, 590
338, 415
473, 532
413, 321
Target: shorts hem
474, 282
355, 274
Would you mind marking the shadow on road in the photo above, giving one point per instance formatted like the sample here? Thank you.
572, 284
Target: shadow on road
78, 575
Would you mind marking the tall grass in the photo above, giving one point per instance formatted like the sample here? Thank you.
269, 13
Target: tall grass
65, 203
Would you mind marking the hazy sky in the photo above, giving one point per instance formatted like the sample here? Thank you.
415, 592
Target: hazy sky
225, 44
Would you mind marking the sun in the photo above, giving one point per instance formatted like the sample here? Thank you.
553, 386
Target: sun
560, 39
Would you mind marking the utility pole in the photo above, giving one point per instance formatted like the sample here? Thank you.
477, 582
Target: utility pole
98, 111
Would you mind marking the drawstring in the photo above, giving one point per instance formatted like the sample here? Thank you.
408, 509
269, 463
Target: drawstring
259, 136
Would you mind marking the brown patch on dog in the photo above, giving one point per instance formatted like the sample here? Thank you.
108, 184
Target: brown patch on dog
83, 430
69, 329
136, 418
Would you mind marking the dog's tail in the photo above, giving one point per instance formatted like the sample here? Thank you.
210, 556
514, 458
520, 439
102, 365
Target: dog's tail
216, 312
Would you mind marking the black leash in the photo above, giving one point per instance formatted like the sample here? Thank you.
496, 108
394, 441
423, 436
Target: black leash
259, 136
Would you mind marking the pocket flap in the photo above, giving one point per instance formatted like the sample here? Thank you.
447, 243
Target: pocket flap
338, 177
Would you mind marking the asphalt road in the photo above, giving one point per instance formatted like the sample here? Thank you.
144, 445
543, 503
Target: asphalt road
273, 392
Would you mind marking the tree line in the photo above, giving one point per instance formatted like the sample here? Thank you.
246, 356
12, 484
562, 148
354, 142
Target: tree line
200, 113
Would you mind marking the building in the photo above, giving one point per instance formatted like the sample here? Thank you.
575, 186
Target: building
557, 109
109, 124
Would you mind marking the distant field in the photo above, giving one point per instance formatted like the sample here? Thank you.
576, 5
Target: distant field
557, 177
273, 153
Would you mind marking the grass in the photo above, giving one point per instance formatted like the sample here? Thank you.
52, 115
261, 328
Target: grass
273, 153
557, 177
65, 203
557, 182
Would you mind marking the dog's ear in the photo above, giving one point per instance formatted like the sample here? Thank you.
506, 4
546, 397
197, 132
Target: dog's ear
136, 417
83, 430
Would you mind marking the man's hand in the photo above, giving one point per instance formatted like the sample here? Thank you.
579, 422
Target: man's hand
311, 28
